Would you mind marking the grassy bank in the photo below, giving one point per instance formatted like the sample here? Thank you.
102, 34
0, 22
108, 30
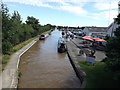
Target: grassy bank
99, 77
5, 58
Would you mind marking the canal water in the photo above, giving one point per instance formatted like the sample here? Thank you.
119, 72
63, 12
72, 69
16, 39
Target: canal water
43, 67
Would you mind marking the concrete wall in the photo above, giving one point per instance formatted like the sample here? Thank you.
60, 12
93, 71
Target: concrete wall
79, 72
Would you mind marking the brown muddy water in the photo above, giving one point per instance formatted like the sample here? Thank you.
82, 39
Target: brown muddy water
43, 67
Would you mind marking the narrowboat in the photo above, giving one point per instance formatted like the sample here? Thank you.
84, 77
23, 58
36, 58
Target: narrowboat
61, 45
43, 36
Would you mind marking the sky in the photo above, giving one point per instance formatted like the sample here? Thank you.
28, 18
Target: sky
67, 12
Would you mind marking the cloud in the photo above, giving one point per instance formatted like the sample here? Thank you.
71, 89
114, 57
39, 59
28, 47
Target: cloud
109, 15
104, 16
13, 5
63, 4
76, 7
106, 5
61, 1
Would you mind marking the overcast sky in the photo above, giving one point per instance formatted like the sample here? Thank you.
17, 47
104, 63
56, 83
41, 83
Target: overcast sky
67, 12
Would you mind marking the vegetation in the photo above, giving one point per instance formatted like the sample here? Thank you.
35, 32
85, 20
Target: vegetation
16, 34
113, 49
19, 46
5, 59
99, 77
19, 74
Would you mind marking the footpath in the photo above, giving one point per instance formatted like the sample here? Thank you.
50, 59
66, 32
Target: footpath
73, 54
100, 55
73, 48
9, 77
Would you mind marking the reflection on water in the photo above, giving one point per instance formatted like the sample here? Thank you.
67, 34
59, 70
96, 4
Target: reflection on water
43, 67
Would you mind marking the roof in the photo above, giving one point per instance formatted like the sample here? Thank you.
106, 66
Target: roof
97, 29
61, 40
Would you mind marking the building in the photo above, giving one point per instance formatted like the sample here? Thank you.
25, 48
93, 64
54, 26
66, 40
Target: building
111, 28
100, 32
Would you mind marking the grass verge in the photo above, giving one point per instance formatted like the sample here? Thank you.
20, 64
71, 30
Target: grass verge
99, 77
19, 46
5, 59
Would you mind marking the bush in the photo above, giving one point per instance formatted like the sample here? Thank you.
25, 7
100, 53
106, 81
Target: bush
113, 64
6, 47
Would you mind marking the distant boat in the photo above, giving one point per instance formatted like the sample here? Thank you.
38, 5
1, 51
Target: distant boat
43, 36
61, 45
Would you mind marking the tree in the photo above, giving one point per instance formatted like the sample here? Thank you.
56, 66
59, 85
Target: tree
6, 27
118, 19
16, 28
113, 49
31, 20
16, 17
34, 23
27, 32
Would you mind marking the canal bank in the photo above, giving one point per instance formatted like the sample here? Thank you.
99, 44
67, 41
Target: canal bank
10, 74
73, 54
74, 47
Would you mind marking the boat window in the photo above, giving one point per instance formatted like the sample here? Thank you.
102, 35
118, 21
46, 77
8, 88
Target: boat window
62, 45
42, 35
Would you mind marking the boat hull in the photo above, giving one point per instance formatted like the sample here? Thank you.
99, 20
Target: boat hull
43, 36
61, 50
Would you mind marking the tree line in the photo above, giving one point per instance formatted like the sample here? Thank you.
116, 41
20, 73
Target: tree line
14, 31
66, 27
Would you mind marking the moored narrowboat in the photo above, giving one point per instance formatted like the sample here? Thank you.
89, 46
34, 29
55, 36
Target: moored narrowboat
43, 36
61, 45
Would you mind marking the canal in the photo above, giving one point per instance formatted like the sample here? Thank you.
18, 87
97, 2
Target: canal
43, 67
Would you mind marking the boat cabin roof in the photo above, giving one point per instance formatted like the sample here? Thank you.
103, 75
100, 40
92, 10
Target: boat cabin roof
61, 40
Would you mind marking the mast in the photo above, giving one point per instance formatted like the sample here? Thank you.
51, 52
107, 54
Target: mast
118, 7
